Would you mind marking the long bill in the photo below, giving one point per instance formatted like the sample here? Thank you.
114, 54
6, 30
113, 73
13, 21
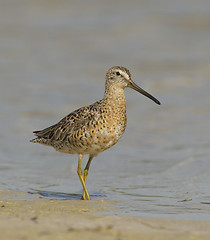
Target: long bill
140, 90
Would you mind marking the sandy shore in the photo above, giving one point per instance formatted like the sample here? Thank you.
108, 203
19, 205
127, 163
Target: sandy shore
40, 218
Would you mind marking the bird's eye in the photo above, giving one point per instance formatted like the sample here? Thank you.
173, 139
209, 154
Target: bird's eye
118, 73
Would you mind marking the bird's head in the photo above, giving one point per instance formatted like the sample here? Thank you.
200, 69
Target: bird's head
121, 78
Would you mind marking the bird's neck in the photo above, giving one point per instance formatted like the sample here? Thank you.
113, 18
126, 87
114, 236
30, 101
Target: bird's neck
115, 103
115, 95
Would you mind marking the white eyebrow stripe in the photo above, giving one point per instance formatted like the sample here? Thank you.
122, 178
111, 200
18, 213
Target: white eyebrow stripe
124, 74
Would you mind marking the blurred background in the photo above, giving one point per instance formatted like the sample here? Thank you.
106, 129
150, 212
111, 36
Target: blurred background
53, 59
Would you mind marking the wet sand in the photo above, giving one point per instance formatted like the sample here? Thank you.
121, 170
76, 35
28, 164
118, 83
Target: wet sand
26, 216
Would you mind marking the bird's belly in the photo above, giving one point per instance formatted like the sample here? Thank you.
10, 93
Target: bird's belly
94, 148
91, 144
104, 139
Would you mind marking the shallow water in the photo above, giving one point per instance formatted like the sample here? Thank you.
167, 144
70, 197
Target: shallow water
54, 55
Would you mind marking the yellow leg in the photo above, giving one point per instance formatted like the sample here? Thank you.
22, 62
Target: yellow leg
86, 173
79, 172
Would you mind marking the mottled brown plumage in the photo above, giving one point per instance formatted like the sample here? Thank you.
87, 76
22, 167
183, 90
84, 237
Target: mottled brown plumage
93, 129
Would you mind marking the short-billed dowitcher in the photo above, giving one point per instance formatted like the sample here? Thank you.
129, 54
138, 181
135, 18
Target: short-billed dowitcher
93, 129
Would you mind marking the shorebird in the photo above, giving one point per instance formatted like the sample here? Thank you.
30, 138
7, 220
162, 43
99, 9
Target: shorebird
95, 128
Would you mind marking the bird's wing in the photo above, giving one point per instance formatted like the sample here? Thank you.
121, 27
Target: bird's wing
69, 124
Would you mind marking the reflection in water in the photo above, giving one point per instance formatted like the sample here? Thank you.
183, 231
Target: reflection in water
59, 195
